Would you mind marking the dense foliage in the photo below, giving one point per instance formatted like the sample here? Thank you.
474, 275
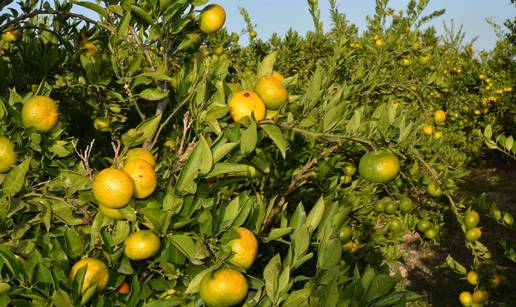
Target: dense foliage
379, 131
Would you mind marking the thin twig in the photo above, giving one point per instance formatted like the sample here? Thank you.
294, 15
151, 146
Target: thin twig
85, 157
116, 149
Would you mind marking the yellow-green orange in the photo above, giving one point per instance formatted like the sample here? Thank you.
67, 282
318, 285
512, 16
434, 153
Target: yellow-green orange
141, 245
224, 287
277, 76
144, 177
7, 154
244, 248
113, 188
472, 278
246, 104
90, 49
40, 112
141, 154
379, 166
10, 36
466, 299
439, 116
96, 271
271, 91
212, 18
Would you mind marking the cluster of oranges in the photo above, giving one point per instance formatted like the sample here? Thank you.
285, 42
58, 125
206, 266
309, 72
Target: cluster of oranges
227, 286
268, 96
429, 129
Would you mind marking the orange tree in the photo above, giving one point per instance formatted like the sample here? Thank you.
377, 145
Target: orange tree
235, 193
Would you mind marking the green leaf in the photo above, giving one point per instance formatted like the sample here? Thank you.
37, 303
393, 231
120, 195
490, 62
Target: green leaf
267, 65
380, 286
248, 139
277, 233
153, 94
15, 179
124, 25
185, 244
92, 6
200, 160
221, 151
193, 285
488, 132
314, 217
277, 137
145, 130
206, 157
142, 14
270, 276
230, 213
298, 298
61, 298
509, 141
233, 169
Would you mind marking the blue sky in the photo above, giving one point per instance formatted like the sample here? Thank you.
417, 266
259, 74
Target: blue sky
279, 15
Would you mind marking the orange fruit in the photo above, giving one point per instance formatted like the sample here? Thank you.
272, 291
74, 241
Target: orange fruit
7, 154
224, 287
246, 103
141, 154
480, 296
473, 234
406, 204
113, 188
406, 61
244, 248
431, 233
276, 75
439, 116
472, 278
379, 166
271, 92
424, 225
471, 219
425, 59
10, 36
141, 245
144, 177
212, 18
96, 271
379, 42
124, 288
345, 233
466, 299
434, 189
428, 129
90, 49
438, 135
40, 112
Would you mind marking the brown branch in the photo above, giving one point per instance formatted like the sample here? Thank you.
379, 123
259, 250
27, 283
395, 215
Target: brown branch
116, 149
85, 157
295, 183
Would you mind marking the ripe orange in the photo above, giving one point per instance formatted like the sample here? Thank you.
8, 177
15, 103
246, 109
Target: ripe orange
246, 103
124, 288
271, 92
438, 135
144, 177
10, 36
466, 299
379, 166
90, 49
224, 287
244, 248
40, 112
141, 154
7, 154
471, 219
277, 76
439, 116
113, 188
428, 129
141, 245
472, 278
480, 296
96, 271
212, 18
473, 234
